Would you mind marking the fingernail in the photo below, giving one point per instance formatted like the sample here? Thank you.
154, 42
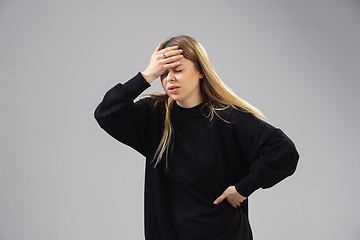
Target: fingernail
215, 202
180, 50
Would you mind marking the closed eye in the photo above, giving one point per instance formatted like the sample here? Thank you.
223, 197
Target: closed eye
177, 71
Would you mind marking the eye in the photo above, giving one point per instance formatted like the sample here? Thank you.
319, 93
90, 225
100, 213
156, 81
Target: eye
163, 75
177, 71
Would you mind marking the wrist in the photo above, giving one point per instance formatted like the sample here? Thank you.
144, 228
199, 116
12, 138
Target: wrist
149, 78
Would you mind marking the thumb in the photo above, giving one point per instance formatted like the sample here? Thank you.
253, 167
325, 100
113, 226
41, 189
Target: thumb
158, 47
219, 199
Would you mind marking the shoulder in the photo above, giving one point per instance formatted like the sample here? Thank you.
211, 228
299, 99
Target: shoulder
238, 114
245, 121
150, 104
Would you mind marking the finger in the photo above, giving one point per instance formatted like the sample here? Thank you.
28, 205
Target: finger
166, 55
171, 65
235, 204
219, 199
173, 53
172, 59
168, 49
158, 47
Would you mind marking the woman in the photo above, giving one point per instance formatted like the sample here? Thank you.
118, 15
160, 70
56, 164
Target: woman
206, 149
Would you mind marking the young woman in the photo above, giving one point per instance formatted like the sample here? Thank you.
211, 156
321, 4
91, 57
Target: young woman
206, 149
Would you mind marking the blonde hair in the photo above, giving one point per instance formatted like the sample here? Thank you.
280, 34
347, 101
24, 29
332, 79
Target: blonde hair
216, 95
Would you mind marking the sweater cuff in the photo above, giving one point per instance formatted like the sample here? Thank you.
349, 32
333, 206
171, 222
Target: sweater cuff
135, 86
140, 76
246, 186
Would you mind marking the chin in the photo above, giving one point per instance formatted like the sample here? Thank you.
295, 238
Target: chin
173, 97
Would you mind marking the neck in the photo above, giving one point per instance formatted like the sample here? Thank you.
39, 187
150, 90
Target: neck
190, 102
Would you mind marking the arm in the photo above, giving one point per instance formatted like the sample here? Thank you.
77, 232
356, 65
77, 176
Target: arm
272, 156
274, 159
120, 117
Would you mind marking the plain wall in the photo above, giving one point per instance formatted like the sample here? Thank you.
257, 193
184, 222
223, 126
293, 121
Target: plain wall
62, 177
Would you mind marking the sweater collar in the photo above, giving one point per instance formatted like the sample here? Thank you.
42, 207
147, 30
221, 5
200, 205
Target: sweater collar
187, 112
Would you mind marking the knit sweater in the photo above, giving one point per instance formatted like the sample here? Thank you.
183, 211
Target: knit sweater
233, 149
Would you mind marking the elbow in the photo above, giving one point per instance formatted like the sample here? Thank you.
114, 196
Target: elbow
99, 117
292, 160
97, 114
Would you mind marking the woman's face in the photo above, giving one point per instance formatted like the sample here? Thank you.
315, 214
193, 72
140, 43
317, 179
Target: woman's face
182, 84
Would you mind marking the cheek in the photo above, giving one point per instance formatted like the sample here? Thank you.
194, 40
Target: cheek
163, 83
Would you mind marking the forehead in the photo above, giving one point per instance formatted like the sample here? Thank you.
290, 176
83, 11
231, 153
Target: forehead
185, 63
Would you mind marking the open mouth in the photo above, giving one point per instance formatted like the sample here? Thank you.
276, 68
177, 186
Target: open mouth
173, 89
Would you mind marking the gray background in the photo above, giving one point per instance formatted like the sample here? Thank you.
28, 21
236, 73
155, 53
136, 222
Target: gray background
62, 177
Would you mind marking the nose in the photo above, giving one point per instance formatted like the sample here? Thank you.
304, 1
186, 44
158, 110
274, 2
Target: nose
170, 76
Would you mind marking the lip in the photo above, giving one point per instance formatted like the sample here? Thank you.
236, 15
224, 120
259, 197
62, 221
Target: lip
173, 88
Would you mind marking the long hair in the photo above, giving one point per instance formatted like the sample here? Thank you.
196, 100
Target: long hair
216, 95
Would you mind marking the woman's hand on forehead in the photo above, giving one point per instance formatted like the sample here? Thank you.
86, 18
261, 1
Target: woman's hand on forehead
162, 60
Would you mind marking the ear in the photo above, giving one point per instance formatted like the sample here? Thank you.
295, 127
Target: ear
201, 75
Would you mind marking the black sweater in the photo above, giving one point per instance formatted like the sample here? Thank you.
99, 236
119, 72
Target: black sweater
207, 157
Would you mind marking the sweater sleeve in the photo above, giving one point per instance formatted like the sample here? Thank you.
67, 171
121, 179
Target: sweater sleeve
123, 119
272, 156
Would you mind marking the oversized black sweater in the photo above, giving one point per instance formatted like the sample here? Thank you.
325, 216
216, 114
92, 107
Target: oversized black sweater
206, 158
